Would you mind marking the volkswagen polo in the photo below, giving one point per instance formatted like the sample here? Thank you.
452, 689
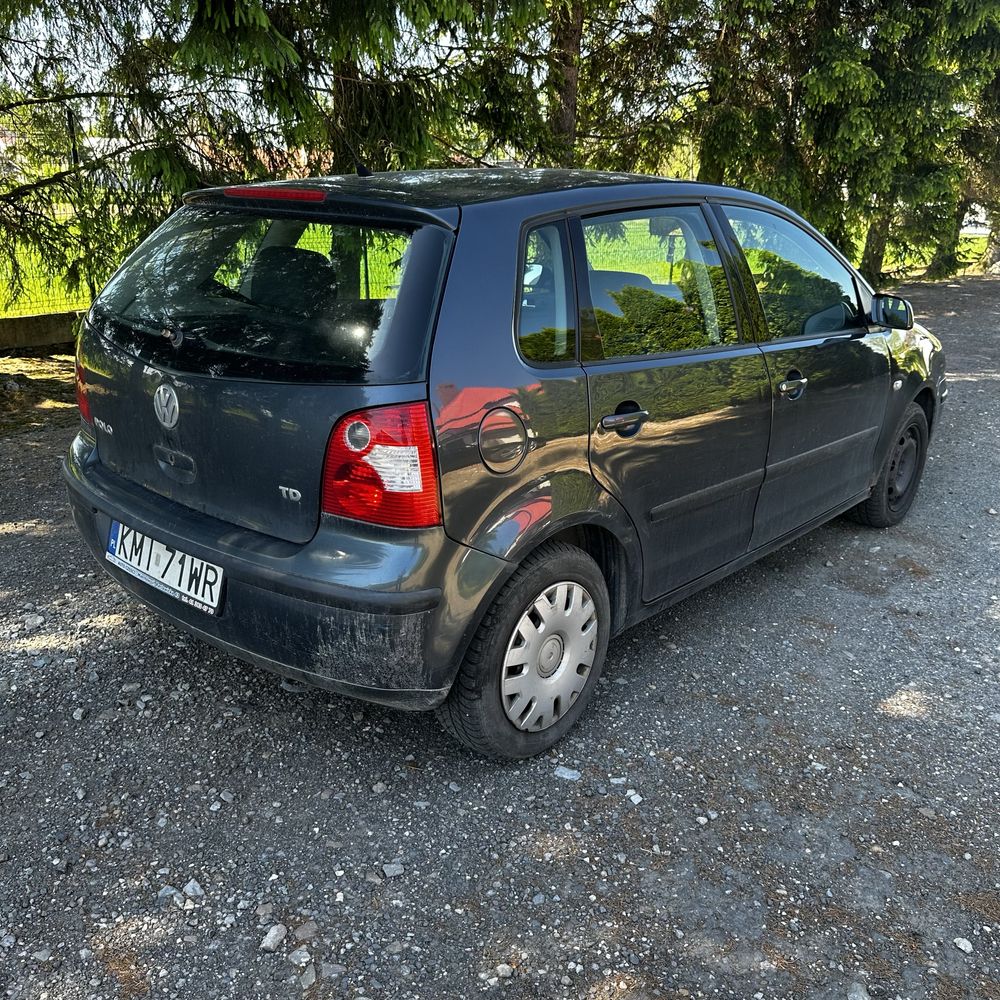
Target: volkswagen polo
431, 439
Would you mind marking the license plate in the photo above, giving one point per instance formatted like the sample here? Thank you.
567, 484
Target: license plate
176, 573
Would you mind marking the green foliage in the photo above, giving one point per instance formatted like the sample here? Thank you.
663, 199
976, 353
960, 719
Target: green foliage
878, 119
650, 324
789, 294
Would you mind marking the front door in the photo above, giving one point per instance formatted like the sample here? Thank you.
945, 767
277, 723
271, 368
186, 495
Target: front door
829, 375
679, 406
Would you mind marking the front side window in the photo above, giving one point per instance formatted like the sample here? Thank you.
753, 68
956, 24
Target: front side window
804, 290
656, 283
546, 328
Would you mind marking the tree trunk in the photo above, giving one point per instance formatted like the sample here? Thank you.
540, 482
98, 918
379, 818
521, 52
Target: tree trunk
564, 79
991, 258
945, 261
875, 243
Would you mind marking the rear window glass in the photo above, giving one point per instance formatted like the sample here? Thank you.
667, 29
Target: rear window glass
236, 293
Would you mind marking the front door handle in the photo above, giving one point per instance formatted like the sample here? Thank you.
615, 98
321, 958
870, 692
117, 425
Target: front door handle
623, 421
792, 388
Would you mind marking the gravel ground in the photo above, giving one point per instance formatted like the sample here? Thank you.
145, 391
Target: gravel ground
787, 786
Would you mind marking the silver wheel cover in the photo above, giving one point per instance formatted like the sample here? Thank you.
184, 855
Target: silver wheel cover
549, 656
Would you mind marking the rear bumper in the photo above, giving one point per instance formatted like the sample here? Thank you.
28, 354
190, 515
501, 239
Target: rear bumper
378, 614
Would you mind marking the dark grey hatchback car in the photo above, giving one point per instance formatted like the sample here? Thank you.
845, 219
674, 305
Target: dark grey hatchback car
430, 439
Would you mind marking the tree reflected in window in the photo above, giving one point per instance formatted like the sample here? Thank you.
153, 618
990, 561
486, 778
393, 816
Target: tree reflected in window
656, 283
804, 290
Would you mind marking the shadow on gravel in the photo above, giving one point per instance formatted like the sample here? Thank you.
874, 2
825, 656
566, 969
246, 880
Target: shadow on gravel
36, 390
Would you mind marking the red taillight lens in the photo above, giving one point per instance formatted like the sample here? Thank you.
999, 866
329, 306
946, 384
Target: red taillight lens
380, 468
81, 395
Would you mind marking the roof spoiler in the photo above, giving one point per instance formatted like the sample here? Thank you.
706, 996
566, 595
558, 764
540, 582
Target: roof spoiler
283, 198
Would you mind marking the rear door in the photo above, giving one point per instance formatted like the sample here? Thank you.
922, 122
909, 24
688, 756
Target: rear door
829, 375
679, 405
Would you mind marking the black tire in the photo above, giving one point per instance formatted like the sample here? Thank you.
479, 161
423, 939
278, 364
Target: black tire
894, 492
474, 712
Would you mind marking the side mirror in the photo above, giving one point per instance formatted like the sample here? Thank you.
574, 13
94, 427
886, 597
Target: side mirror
892, 311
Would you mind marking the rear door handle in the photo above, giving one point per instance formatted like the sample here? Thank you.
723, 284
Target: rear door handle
793, 387
621, 421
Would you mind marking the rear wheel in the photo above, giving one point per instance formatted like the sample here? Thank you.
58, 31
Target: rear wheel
896, 489
535, 659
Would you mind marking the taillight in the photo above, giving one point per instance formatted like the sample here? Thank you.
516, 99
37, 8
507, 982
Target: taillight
380, 468
82, 400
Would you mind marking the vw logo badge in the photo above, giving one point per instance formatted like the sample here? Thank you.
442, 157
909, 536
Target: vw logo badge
165, 406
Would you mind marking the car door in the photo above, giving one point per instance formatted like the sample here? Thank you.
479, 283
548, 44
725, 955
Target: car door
679, 405
829, 374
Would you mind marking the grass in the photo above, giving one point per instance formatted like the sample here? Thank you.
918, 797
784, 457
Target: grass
39, 294
641, 252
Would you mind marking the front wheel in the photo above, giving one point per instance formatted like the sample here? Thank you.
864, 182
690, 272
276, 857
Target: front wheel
896, 489
535, 659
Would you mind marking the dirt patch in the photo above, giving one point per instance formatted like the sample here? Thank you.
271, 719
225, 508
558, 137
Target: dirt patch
984, 904
124, 966
912, 567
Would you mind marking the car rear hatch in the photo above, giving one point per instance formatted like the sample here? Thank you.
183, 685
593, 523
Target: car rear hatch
219, 357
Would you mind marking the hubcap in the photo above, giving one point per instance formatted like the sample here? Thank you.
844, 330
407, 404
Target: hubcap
549, 656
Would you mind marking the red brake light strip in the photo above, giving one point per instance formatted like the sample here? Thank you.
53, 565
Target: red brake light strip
276, 193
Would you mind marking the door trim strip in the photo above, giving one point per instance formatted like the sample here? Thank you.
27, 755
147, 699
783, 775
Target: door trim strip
819, 454
707, 496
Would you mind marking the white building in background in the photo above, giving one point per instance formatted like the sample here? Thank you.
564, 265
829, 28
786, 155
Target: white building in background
976, 223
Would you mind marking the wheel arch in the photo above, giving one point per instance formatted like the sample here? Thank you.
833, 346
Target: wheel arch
613, 547
926, 401
612, 558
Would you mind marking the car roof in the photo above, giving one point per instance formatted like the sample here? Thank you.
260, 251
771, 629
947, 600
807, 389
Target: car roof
445, 188
421, 197
439, 195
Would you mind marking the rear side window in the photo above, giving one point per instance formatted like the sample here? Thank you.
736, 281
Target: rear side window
656, 283
804, 290
546, 326
233, 292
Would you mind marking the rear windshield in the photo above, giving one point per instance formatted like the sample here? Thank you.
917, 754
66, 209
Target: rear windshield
238, 293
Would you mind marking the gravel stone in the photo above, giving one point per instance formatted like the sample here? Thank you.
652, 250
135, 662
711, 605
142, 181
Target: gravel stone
168, 894
306, 931
193, 890
963, 944
273, 938
299, 957
567, 772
